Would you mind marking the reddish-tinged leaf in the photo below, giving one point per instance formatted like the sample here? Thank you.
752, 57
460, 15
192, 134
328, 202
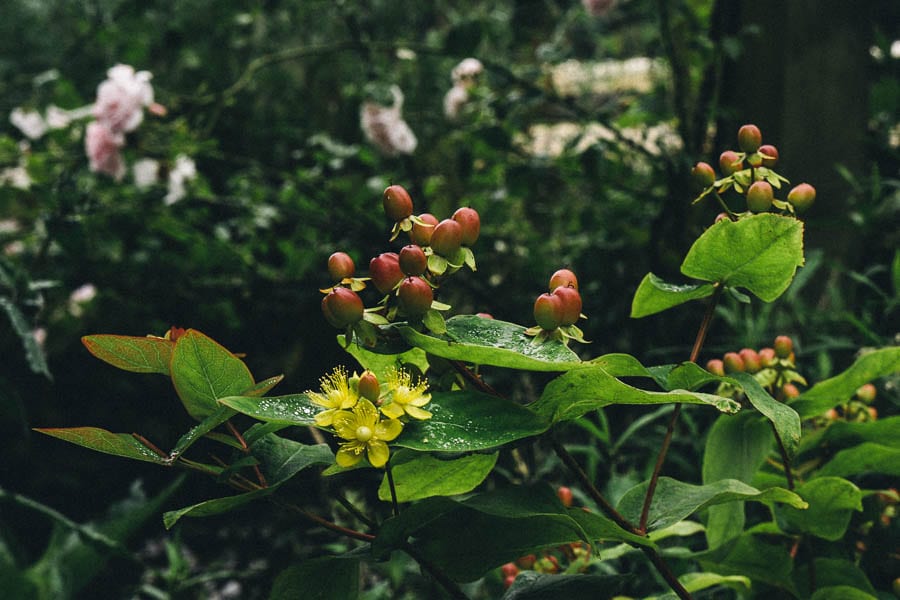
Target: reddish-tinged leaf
117, 444
132, 353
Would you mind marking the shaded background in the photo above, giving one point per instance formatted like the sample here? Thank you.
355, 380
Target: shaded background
265, 97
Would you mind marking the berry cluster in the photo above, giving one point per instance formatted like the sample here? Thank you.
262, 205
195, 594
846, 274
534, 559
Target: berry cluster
774, 368
557, 311
750, 173
366, 414
858, 408
406, 280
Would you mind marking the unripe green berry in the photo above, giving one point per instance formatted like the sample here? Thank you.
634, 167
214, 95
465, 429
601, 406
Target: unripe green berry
563, 277
342, 307
368, 386
866, 393
421, 234
385, 271
749, 138
752, 362
802, 197
783, 346
447, 238
703, 174
397, 203
570, 304
415, 296
733, 363
716, 367
413, 260
730, 162
770, 151
760, 196
548, 311
470, 223
340, 266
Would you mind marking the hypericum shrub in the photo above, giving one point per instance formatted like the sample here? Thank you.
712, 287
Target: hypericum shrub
424, 415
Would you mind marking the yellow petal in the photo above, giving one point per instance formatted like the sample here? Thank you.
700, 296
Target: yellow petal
345, 424
348, 455
388, 429
417, 413
378, 453
392, 410
421, 400
318, 399
325, 418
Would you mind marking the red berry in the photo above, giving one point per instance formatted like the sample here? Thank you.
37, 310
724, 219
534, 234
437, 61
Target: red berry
413, 260
385, 271
397, 203
752, 361
749, 138
509, 569
767, 357
565, 278
484, 315
421, 234
769, 150
415, 296
733, 362
703, 174
342, 307
784, 346
527, 561
760, 196
716, 367
548, 311
368, 386
866, 393
789, 390
470, 222
721, 217
802, 196
340, 266
565, 495
570, 304
446, 238
730, 162
509, 580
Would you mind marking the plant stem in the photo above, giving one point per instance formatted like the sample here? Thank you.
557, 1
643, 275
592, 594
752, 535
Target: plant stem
246, 450
667, 573
355, 511
390, 477
351, 533
785, 461
448, 584
661, 457
594, 493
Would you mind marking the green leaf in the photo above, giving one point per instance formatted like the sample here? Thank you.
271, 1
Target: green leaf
216, 506
481, 341
691, 376
281, 458
620, 365
470, 421
841, 592
325, 578
735, 448
582, 390
434, 322
783, 417
261, 388
840, 434
761, 554
292, 409
675, 500
760, 253
418, 476
831, 572
380, 363
203, 371
655, 295
117, 444
868, 457
840, 388
696, 582
530, 585
131, 353
222, 414
832, 501
33, 352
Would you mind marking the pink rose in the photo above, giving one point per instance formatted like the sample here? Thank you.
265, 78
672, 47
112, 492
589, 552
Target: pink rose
102, 147
122, 97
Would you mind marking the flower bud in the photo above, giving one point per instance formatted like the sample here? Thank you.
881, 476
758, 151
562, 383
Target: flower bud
368, 386
397, 203
470, 223
385, 271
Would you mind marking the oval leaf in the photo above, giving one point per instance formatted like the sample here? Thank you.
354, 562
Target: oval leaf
418, 476
784, 418
131, 353
491, 342
203, 371
868, 457
292, 409
101, 440
655, 295
832, 501
760, 253
325, 578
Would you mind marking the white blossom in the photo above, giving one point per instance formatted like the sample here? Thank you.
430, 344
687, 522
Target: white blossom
466, 72
454, 100
122, 97
145, 172
103, 149
183, 171
385, 128
29, 122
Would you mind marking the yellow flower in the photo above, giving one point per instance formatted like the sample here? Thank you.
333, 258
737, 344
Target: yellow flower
337, 394
365, 433
405, 398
